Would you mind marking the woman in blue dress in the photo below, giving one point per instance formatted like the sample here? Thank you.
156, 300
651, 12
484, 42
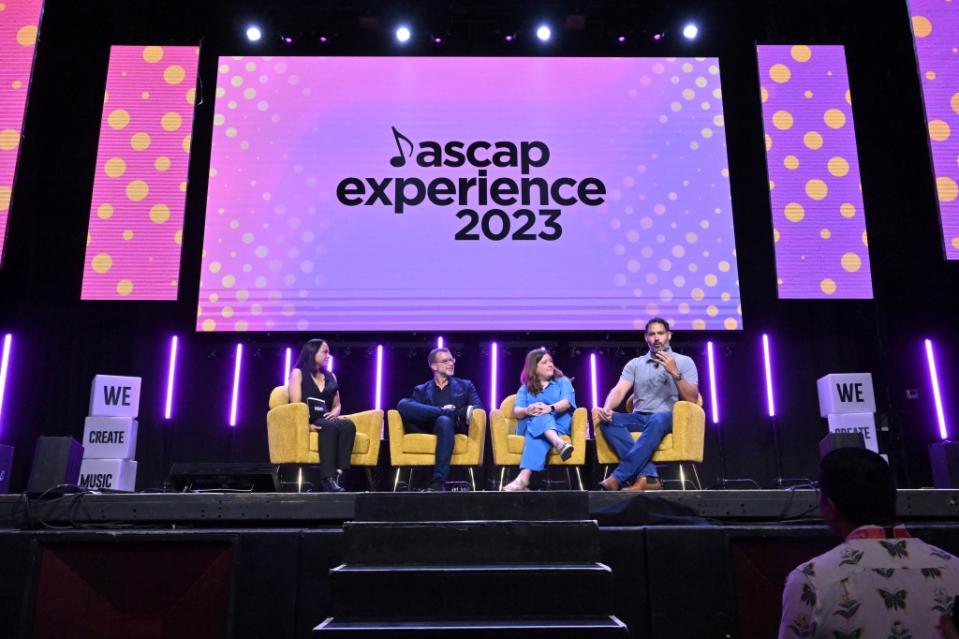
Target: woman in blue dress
544, 405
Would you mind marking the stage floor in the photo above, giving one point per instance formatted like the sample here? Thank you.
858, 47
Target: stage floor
259, 510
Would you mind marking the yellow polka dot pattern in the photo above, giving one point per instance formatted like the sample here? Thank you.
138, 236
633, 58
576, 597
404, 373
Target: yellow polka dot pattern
812, 160
935, 24
18, 35
136, 218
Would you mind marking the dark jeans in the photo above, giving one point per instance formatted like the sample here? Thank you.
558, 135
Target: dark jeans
423, 418
336, 437
635, 456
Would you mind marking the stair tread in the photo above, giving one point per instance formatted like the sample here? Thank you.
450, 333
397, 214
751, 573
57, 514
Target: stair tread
608, 621
517, 567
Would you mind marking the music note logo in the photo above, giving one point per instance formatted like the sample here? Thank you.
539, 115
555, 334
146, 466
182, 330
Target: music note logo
400, 160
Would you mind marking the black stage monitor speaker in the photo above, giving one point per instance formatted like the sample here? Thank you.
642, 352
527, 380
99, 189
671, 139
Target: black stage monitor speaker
6, 464
56, 462
263, 478
944, 457
832, 441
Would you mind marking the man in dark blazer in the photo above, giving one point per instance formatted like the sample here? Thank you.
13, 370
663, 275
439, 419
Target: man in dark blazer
442, 407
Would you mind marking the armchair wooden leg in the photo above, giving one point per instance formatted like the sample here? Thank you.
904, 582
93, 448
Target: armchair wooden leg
472, 478
502, 476
579, 478
369, 479
409, 482
682, 476
569, 479
396, 479
605, 471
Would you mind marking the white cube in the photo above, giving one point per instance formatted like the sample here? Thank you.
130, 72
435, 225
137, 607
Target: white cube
115, 396
109, 474
846, 393
109, 438
863, 423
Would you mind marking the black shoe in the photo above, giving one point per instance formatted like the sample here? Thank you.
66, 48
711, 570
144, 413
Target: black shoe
329, 485
566, 452
436, 487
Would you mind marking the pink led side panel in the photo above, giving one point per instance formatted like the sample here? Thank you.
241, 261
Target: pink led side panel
19, 21
935, 27
139, 191
814, 190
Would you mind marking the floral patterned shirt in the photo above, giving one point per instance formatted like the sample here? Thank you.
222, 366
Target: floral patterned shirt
871, 586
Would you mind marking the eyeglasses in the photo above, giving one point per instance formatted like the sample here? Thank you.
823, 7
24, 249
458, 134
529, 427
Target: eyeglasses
446, 361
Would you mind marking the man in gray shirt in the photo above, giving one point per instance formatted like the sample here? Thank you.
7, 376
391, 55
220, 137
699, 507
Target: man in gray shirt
657, 380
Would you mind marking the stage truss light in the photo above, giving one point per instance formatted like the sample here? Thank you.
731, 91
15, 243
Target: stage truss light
544, 33
253, 33
690, 31
403, 34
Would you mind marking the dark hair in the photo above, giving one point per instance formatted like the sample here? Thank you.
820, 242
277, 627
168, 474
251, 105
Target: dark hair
431, 358
656, 320
528, 377
306, 361
860, 483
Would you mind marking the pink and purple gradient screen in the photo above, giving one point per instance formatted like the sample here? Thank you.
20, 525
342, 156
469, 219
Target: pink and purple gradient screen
19, 20
935, 26
282, 252
819, 226
139, 192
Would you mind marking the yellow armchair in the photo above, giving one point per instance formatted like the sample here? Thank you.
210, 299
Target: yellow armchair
508, 446
684, 444
419, 449
292, 442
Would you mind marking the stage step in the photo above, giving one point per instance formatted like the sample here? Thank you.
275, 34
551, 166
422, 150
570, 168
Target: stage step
475, 591
471, 542
599, 627
472, 506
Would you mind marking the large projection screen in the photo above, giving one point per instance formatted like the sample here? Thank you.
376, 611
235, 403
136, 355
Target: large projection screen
404, 193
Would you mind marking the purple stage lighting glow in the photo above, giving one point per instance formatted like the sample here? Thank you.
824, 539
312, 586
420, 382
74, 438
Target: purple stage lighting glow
329, 366
439, 342
592, 377
323, 40
934, 376
377, 396
713, 399
236, 383
4, 365
509, 38
494, 356
171, 372
287, 363
769, 377
621, 39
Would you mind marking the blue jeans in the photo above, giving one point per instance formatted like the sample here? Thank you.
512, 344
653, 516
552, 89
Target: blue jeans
423, 418
635, 456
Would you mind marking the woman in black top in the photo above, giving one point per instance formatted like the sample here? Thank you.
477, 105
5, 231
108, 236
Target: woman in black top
311, 379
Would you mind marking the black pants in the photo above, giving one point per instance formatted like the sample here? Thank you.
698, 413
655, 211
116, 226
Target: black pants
336, 437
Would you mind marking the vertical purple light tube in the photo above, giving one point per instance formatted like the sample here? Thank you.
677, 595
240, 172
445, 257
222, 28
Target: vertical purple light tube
171, 373
287, 366
713, 398
4, 367
769, 377
494, 357
329, 367
937, 397
593, 381
236, 384
378, 392
439, 342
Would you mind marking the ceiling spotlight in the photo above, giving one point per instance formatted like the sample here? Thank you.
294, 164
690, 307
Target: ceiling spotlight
403, 34
621, 39
509, 37
543, 33
253, 33
287, 39
690, 31
323, 40
658, 36
437, 40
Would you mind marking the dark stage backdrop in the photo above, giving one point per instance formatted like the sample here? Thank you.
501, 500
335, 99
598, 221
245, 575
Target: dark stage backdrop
61, 342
